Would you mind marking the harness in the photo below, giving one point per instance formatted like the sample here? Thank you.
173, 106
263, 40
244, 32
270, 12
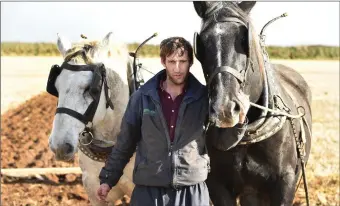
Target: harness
92, 147
264, 127
239, 75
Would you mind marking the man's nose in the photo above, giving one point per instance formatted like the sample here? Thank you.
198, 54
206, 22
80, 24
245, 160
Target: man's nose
177, 67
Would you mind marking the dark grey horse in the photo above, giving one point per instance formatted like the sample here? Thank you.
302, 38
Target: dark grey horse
254, 152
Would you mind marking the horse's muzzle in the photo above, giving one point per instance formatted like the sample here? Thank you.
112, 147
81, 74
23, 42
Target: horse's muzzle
64, 152
225, 115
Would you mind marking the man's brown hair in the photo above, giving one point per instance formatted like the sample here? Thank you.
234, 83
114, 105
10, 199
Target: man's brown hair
170, 45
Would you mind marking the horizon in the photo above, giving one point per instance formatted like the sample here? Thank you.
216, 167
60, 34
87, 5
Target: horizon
152, 44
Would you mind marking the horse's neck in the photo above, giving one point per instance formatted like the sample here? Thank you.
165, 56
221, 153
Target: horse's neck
106, 129
257, 78
119, 95
256, 82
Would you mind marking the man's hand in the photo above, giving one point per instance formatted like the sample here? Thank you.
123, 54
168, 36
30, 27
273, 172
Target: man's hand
102, 191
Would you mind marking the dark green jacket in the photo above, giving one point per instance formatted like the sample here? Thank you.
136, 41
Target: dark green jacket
144, 129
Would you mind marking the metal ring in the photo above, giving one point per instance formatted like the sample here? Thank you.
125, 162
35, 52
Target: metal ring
81, 136
303, 110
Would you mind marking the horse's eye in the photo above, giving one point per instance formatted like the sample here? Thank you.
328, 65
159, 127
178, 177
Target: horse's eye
244, 42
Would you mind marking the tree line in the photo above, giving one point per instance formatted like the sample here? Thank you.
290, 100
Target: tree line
149, 50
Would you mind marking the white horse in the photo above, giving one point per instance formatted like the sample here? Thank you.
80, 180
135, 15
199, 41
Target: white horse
73, 93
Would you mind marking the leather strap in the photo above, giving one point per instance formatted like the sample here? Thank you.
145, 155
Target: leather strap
72, 113
228, 69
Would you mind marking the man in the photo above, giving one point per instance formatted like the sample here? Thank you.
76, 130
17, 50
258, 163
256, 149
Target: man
164, 124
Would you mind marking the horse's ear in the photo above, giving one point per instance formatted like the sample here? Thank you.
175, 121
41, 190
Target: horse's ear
108, 39
200, 7
247, 6
63, 44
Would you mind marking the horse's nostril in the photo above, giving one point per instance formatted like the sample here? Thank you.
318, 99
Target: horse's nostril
64, 151
68, 148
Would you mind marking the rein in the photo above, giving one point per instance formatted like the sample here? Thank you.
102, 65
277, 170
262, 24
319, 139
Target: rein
299, 115
300, 141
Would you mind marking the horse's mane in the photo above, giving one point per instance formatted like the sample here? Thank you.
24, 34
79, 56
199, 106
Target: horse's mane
232, 9
257, 47
91, 46
116, 51
118, 56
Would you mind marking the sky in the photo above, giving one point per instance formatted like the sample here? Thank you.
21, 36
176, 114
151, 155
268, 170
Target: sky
307, 22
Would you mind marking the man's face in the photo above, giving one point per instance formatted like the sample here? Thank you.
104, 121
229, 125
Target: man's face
177, 67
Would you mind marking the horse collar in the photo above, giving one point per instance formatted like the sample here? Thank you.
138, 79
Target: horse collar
96, 149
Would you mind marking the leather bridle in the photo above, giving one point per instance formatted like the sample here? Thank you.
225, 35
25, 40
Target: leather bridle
239, 75
99, 78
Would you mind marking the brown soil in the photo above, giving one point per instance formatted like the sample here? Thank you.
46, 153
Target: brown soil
24, 144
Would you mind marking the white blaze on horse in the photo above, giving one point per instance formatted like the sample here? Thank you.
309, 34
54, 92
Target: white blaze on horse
92, 86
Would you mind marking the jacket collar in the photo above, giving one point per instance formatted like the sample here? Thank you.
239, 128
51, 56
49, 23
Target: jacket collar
194, 88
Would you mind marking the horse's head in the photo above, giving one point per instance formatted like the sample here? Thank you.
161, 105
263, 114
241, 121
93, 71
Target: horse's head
226, 49
81, 86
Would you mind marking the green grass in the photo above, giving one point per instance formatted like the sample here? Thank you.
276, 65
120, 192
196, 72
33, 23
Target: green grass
316, 52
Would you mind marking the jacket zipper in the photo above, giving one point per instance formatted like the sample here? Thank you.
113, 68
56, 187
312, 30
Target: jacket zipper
172, 168
178, 121
170, 144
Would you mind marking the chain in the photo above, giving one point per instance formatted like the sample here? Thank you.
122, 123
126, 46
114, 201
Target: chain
263, 47
299, 143
301, 155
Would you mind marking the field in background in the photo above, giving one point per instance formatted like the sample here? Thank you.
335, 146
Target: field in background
150, 50
25, 77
